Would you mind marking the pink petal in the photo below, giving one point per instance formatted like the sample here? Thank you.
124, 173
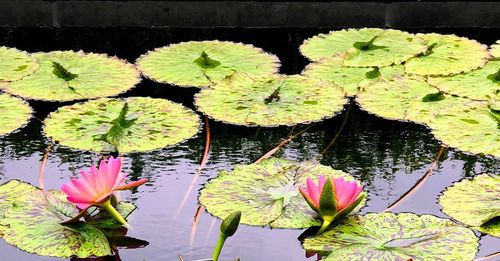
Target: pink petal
116, 165
348, 194
321, 183
79, 200
82, 205
305, 194
84, 188
313, 191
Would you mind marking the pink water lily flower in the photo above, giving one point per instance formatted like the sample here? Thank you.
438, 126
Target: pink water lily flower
94, 188
332, 198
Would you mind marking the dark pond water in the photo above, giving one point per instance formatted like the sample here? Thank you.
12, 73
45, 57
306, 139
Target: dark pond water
389, 157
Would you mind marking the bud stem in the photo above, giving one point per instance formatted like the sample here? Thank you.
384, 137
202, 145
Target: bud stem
326, 223
218, 247
114, 213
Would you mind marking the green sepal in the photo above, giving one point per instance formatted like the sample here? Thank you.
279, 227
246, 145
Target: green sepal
327, 200
350, 208
309, 202
230, 224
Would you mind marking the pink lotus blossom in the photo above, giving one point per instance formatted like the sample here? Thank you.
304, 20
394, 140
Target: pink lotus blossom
94, 188
346, 196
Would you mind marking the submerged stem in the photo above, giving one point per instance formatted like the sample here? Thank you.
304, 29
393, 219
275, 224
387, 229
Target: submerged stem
420, 182
218, 247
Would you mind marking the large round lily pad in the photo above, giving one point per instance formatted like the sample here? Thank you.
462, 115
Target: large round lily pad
475, 202
15, 64
364, 47
495, 49
472, 129
402, 237
448, 54
351, 79
68, 75
271, 101
123, 125
406, 99
266, 193
14, 113
204, 63
481, 84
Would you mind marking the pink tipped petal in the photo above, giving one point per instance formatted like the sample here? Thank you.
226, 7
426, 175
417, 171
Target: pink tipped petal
313, 191
321, 183
116, 165
76, 199
348, 194
132, 184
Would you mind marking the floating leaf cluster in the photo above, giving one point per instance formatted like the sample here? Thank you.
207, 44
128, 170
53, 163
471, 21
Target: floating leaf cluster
452, 84
30, 220
448, 83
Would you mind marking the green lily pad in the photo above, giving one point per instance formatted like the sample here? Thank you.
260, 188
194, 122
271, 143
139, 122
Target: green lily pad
10, 191
204, 63
124, 125
481, 84
68, 75
408, 99
15, 113
389, 236
15, 64
271, 101
495, 49
474, 202
32, 225
462, 123
471, 129
266, 193
366, 47
446, 55
351, 79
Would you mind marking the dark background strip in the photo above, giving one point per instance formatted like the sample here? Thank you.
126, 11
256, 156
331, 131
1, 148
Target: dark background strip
250, 14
